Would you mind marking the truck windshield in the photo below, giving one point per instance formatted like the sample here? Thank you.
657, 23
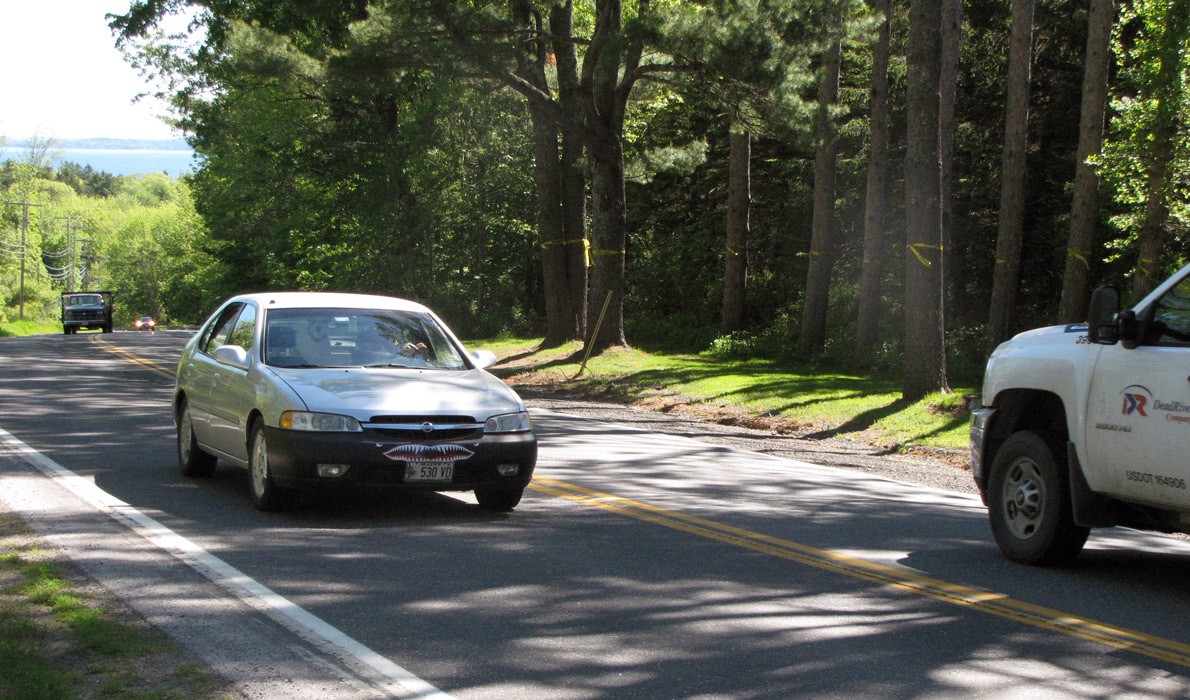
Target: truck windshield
84, 300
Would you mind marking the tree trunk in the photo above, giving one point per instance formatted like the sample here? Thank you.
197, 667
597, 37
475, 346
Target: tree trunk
924, 368
948, 81
608, 239
818, 279
573, 317
1084, 211
739, 202
560, 314
868, 325
1006, 277
1169, 92
604, 100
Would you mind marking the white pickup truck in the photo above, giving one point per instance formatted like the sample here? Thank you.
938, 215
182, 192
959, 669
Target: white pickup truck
1088, 425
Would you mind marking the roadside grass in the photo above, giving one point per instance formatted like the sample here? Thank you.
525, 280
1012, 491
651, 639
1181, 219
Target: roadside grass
58, 642
13, 329
755, 393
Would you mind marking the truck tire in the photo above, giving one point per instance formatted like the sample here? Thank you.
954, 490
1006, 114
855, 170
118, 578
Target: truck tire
1029, 502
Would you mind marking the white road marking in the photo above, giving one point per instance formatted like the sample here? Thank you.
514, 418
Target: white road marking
402, 683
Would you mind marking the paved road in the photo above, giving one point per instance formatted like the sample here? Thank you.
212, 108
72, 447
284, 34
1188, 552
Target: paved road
640, 565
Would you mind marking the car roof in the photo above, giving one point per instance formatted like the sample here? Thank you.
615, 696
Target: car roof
328, 300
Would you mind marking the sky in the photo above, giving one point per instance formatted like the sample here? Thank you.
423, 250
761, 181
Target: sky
62, 77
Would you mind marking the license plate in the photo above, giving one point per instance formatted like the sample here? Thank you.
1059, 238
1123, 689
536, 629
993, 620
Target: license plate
429, 471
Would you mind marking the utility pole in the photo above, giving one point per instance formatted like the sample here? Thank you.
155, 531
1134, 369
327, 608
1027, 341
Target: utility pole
24, 242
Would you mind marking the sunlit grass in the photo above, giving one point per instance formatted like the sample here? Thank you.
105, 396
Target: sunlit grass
796, 400
57, 643
14, 329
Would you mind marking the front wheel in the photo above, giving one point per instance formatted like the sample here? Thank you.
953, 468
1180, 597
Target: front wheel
1029, 502
499, 498
266, 495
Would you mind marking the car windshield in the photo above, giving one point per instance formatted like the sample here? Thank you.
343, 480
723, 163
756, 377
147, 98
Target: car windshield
357, 338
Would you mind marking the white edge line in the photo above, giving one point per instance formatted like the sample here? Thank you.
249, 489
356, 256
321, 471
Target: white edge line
293, 617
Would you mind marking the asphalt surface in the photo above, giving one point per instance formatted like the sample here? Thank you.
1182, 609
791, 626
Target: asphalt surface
256, 641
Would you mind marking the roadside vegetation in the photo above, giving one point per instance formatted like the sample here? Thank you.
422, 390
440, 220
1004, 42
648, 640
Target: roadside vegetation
755, 393
12, 329
59, 642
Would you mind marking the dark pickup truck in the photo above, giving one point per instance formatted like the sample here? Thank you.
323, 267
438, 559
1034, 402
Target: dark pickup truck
86, 310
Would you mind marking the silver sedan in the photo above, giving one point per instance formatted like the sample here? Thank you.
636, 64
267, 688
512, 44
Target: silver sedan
314, 391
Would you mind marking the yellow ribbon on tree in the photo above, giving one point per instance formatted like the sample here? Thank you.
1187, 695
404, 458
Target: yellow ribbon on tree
603, 251
915, 248
1079, 255
586, 247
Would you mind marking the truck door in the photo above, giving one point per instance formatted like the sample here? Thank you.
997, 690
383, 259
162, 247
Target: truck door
1138, 413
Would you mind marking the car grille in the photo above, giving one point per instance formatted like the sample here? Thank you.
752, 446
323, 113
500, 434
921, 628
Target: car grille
414, 427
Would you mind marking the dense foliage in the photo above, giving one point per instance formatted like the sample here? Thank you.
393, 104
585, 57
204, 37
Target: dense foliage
395, 147
139, 237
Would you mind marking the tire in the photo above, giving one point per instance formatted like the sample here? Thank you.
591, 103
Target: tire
266, 495
499, 498
1029, 502
191, 458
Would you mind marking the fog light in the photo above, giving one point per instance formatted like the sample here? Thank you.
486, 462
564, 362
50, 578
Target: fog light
508, 469
332, 471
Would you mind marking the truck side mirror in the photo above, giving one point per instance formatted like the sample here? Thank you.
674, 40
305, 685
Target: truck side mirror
1102, 327
1129, 332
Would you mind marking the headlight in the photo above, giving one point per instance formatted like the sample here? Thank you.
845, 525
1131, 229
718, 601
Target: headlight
319, 422
508, 423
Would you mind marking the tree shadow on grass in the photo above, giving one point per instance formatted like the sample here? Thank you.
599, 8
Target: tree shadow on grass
862, 421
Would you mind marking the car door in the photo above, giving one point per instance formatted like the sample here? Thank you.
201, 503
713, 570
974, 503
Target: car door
1138, 427
232, 395
198, 374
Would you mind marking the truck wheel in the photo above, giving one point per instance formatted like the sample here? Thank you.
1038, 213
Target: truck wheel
1029, 502
191, 458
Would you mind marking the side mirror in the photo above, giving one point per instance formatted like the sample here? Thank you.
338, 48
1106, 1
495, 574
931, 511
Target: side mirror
1129, 332
483, 358
1102, 327
232, 355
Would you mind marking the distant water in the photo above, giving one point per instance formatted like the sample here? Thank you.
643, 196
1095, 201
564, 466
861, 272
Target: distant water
118, 161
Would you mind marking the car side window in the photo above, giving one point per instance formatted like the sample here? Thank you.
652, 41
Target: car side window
221, 329
1171, 316
244, 331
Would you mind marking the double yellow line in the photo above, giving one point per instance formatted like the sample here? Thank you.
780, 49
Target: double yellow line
131, 357
956, 594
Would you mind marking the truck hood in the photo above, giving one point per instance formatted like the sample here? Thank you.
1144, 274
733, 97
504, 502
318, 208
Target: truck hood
1068, 334
365, 392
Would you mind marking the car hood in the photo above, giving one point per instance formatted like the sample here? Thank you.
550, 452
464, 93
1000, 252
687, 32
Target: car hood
365, 392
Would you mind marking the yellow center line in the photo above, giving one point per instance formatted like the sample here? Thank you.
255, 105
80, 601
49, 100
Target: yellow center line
134, 359
956, 594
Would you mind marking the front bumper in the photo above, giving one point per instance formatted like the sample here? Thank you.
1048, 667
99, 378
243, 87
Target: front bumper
980, 419
294, 457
